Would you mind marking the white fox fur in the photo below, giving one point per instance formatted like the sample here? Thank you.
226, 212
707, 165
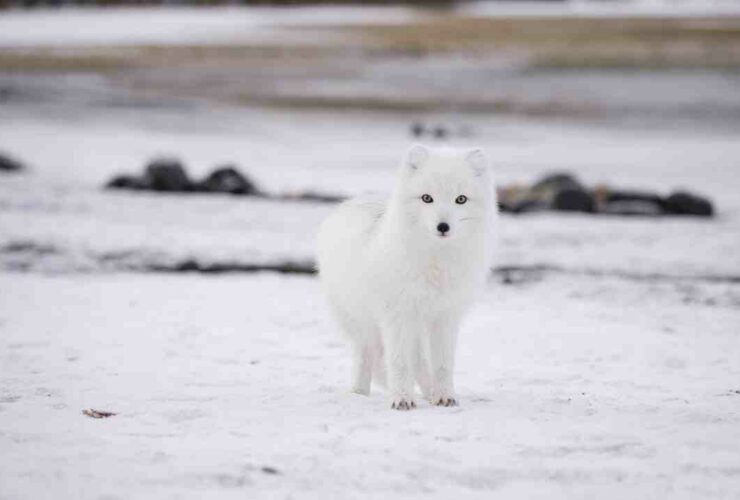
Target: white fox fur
397, 284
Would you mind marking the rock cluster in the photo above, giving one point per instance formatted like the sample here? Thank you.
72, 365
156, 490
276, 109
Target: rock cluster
169, 174
561, 191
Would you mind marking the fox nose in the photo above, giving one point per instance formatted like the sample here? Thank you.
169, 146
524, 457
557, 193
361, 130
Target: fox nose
443, 227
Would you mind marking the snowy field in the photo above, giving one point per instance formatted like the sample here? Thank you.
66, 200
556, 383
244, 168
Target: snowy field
76, 27
186, 25
603, 360
608, 368
569, 388
56, 217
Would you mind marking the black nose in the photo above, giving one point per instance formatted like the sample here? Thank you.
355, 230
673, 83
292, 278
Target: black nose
443, 227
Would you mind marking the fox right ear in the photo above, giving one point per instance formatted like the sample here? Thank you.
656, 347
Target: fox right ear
416, 156
477, 160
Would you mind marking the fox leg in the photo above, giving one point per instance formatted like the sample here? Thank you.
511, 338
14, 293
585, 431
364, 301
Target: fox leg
362, 368
400, 360
442, 346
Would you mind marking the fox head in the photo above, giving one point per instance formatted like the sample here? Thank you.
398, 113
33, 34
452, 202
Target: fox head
445, 194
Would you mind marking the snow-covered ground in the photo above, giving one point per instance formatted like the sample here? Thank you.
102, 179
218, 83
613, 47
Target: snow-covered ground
61, 219
616, 376
78, 27
219, 25
597, 8
569, 388
603, 360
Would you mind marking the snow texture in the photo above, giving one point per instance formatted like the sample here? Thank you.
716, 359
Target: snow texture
606, 368
569, 388
603, 380
64, 221
85, 27
75, 27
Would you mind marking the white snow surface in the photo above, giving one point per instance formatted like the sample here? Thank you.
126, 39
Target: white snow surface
81, 27
74, 27
597, 8
569, 388
615, 378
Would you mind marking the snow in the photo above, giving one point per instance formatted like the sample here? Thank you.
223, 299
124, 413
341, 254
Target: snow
614, 377
126, 26
569, 388
60, 205
75, 27
597, 8
607, 368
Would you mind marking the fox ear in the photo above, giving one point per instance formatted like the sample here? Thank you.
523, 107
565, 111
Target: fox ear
416, 156
477, 160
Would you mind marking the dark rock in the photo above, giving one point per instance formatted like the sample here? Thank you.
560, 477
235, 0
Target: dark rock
529, 205
573, 200
684, 203
8, 164
188, 265
227, 179
623, 195
126, 182
633, 207
29, 247
166, 174
417, 129
556, 182
508, 197
98, 413
312, 196
440, 132
521, 199
562, 191
628, 202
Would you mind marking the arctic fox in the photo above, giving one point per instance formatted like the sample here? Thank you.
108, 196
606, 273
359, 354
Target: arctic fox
400, 274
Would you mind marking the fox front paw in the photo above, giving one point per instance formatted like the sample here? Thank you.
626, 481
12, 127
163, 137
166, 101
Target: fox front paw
445, 401
403, 404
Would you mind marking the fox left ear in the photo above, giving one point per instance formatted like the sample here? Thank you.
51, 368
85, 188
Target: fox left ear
416, 156
477, 160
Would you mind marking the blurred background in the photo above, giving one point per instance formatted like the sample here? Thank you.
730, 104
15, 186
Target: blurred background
155, 155
301, 104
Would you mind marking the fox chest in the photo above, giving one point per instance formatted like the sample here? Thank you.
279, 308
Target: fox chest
435, 280
437, 274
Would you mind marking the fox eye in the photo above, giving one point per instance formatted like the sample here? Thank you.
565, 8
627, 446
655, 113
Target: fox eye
426, 198
460, 200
